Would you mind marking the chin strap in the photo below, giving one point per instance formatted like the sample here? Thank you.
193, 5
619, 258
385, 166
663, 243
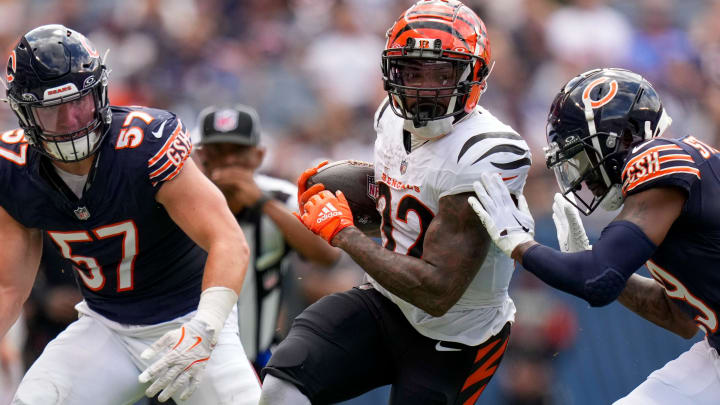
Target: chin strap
613, 199
432, 130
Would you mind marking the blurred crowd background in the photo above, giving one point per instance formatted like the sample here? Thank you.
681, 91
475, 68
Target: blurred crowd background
312, 70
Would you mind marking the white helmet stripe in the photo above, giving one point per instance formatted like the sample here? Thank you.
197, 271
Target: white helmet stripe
590, 117
663, 124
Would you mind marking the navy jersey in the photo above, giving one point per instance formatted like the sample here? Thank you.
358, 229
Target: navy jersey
134, 264
686, 262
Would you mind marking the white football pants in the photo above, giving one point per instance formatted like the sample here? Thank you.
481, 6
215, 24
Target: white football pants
692, 378
97, 361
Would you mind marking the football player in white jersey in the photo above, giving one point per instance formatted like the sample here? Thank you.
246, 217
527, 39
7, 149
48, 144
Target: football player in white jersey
434, 318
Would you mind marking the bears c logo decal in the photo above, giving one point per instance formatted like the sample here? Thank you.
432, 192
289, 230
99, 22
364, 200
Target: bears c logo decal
9, 75
604, 100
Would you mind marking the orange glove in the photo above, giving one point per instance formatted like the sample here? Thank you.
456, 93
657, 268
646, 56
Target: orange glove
327, 214
302, 183
305, 197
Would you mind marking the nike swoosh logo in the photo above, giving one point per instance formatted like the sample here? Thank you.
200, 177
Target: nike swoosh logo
637, 148
439, 347
159, 132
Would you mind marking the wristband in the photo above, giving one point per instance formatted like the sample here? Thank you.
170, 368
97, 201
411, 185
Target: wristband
215, 305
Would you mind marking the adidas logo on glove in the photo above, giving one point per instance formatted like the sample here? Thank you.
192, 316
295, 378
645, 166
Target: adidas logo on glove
329, 211
326, 213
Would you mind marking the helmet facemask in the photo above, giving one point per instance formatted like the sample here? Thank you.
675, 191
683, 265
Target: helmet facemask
67, 129
430, 87
427, 88
580, 170
58, 91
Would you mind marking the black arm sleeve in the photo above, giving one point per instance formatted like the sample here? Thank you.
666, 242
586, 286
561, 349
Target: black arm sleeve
598, 275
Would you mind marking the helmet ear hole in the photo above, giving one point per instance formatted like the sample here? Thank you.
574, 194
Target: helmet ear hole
613, 168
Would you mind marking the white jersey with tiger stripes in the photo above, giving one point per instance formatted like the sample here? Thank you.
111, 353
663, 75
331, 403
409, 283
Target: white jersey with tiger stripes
413, 184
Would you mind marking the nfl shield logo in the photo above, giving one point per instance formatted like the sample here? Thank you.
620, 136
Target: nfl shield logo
372, 188
82, 213
225, 120
403, 166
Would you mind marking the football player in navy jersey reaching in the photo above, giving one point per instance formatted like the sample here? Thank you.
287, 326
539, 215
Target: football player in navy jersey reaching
605, 147
158, 255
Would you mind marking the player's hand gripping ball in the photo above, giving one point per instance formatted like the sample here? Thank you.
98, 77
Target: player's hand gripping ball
327, 214
305, 191
356, 180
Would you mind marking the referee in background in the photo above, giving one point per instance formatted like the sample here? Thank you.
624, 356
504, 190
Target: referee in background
230, 153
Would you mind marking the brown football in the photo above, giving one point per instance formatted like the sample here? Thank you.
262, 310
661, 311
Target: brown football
356, 180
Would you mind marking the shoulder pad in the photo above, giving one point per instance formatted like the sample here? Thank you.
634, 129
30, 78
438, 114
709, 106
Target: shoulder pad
174, 147
480, 147
505, 153
659, 162
157, 139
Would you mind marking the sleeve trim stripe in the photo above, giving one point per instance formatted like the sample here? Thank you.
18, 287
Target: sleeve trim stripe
168, 164
674, 158
161, 169
165, 147
171, 175
174, 173
649, 152
661, 173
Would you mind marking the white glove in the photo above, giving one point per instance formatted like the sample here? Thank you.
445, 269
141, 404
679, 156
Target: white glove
507, 225
182, 366
570, 231
186, 350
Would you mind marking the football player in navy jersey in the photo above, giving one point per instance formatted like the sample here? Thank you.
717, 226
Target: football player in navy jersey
605, 147
158, 255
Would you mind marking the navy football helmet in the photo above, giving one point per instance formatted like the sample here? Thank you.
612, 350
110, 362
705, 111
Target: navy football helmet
57, 87
594, 122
